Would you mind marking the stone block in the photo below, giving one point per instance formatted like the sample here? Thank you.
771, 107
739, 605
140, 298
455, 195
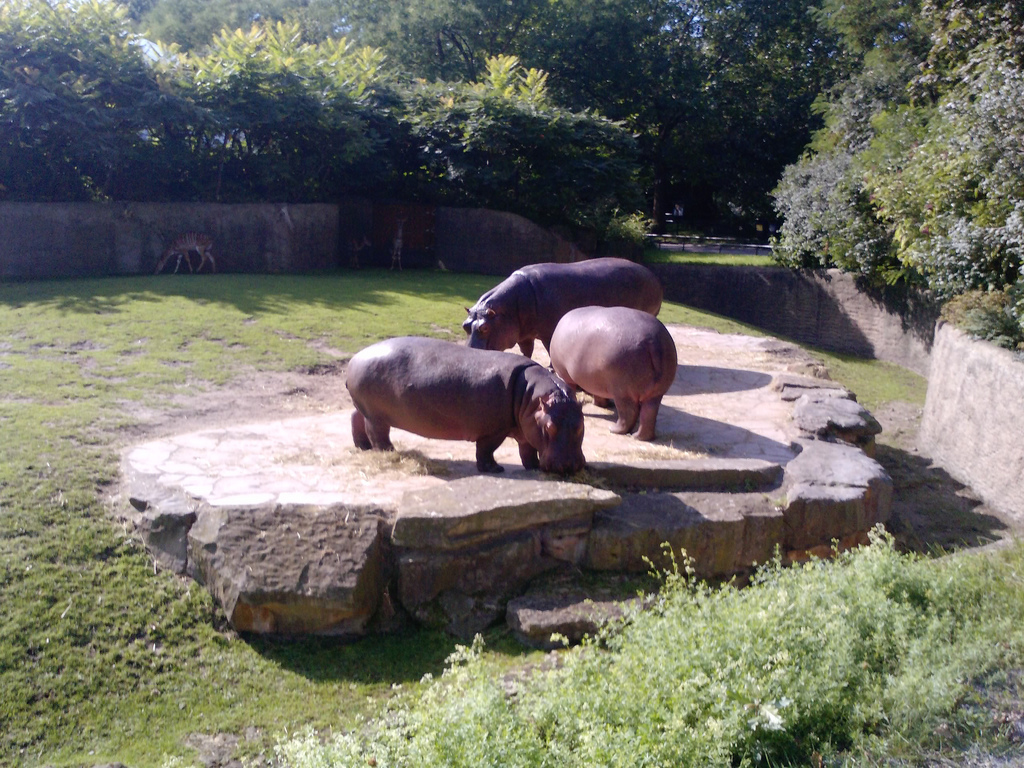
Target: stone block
837, 418
291, 569
465, 591
833, 491
535, 618
722, 533
690, 474
474, 510
165, 534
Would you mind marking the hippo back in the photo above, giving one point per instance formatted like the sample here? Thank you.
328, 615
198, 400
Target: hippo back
606, 282
531, 301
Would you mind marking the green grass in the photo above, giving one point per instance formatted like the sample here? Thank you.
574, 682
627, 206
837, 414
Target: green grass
101, 657
659, 256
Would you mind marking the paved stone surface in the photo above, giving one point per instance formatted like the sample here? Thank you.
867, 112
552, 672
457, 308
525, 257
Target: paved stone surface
722, 405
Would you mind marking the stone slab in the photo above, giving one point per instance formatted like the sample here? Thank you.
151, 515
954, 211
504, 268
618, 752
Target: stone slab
534, 619
691, 474
722, 533
472, 510
289, 570
833, 491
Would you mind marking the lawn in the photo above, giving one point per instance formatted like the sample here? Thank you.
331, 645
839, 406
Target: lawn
665, 256
104, 658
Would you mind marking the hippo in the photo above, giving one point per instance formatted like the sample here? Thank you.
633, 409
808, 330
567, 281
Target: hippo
618, 353
448, 391
530, 302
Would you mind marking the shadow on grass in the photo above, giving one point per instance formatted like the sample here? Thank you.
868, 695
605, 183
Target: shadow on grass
932, 512
249, 294
403, 657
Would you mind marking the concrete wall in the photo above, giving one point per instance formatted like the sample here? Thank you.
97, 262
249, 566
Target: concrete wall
494, 242
973, 423
62, 240
827, 309
47, 240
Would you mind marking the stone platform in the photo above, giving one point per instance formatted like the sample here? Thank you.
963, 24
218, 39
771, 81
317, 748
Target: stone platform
295, 531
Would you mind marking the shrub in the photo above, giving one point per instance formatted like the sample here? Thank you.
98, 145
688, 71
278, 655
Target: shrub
994, 316
867, 654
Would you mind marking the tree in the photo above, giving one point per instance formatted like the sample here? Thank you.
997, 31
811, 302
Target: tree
717, 92
78, 103
501, 143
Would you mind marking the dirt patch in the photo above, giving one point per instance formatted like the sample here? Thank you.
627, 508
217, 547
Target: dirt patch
251, 397
931, 511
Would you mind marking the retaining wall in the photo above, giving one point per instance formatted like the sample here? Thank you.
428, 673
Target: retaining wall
828, 309
973, 421
63, 240
48, 240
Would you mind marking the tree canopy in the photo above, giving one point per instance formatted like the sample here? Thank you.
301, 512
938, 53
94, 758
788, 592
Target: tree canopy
717, 93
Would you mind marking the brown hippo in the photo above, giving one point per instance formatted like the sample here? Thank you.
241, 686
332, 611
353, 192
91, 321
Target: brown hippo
617, 353
447, 391
531, 301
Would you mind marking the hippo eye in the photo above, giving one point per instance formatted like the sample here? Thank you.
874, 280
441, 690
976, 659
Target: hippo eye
483, 329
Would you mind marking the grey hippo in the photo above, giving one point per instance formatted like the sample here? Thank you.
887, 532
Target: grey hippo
447, 391
620, 354
530, 302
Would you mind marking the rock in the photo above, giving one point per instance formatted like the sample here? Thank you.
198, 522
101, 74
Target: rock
535, 618
291, 569
463, 549
477, 509
792, 387
830, 417
465, 591
690, 474
162, 516
165, 534
723, 533
833, 491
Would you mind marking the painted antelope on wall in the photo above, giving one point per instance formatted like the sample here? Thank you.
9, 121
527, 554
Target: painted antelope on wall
183, 246
396, 247
355, 247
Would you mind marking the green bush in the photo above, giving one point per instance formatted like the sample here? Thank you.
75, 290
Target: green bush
875, 653
995, 316
923, 182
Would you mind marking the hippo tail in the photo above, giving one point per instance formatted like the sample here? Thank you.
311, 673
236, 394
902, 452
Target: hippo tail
657, 359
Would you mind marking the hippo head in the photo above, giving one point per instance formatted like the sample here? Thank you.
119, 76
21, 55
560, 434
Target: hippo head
558, 437
489, 328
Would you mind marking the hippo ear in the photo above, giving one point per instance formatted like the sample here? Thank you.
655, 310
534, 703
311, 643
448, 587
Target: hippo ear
489, 312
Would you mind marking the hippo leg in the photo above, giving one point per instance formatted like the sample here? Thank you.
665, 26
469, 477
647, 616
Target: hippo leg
359, 436
602, 402
648, 418
526, 347
485, 448
379, 435
528, 455
629, 412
